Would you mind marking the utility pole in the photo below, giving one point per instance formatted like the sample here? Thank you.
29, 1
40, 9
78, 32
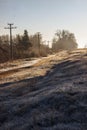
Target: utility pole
11, 45
39, 41
48, 43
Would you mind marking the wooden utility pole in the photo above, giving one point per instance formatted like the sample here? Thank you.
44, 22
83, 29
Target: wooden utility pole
39, 41
11, 45
48, 43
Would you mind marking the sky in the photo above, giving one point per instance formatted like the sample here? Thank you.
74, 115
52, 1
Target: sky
45, 16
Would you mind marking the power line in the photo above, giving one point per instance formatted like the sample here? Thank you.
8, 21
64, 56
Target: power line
11, 45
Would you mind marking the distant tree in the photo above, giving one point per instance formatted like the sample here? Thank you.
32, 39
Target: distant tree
64, 41
18, 47
4, 48
24, 46
25, 40
0, 40
4, 39
36, 41
54, 44
18, 41
85, 46
39, 47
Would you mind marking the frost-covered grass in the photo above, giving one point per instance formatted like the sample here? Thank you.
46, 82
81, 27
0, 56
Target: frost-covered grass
56, 100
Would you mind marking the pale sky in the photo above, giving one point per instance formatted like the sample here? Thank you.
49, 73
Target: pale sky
45, 16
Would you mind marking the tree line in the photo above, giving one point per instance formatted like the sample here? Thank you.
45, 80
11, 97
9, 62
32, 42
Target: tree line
64, 40
26, 46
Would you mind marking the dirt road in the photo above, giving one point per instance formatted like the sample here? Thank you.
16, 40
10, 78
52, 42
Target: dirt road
26, 68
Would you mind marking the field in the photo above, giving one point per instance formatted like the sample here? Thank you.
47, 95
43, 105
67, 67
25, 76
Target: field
48, 93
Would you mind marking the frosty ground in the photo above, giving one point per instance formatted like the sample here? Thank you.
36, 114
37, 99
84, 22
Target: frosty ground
50, 94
